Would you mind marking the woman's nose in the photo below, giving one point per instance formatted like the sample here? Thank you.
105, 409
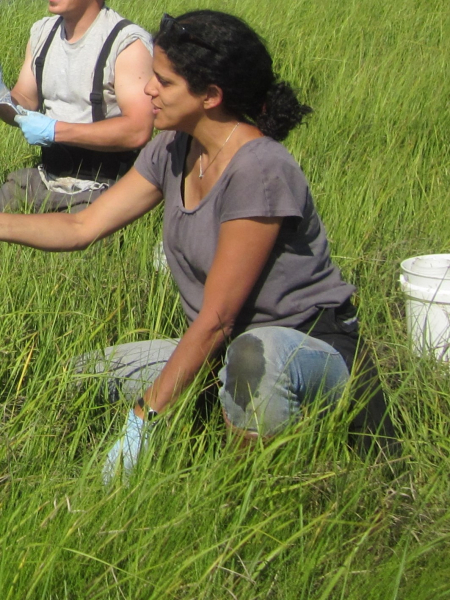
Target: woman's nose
150, 88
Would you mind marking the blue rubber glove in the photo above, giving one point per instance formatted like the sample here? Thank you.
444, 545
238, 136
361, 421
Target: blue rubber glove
125, 452
38, 129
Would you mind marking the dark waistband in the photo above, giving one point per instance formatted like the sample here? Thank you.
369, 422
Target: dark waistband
338, 327
70, 161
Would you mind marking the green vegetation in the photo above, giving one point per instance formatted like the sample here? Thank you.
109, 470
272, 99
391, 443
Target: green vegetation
303, 517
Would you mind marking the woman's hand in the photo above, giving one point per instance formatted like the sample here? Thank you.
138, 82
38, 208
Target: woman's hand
123, 456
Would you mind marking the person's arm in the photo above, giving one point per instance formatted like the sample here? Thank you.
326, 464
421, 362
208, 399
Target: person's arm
24, 92
243, 249
134, 127
127, 200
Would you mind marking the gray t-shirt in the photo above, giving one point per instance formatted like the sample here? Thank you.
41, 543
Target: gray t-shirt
69, 67
261, 180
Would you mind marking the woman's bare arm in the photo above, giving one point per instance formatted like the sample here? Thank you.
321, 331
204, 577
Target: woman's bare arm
243, 249
127, 200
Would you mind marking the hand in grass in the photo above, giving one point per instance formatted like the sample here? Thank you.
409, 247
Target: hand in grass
124, 455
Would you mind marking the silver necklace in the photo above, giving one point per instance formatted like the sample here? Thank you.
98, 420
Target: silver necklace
201, 171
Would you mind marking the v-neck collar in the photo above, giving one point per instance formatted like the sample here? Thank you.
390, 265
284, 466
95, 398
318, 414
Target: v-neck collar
203, 200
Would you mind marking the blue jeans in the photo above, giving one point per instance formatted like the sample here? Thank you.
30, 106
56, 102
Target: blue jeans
268, 374
271, 372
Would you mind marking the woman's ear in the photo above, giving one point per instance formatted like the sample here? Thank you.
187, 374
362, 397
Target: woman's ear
213, 97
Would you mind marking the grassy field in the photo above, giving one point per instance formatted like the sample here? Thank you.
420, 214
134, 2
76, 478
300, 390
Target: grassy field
302, 517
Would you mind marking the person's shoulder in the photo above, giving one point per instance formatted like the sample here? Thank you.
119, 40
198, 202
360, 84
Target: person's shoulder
163, 138
46, 21
164, 141
163, 154
43, 26
113, 17
166, 146
265, 154
266, 164
110, 13
172, 142
128, 34
266, 147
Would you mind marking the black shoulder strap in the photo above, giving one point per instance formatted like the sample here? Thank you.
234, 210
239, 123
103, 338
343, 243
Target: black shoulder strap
39, 62
96, 96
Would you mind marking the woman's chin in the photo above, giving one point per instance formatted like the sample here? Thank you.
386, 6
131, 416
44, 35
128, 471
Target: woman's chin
159, 122
162, 125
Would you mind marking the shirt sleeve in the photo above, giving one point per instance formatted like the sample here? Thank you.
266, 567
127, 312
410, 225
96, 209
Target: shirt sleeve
153, 158
39, 32
130, 34
264, 181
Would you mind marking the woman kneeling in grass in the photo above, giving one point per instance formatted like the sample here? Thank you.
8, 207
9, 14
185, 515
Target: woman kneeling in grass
243, 240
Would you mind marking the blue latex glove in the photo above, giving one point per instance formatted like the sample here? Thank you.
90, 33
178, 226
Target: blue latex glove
38, 129
125, 452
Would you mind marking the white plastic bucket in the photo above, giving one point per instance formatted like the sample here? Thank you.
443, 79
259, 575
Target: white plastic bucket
425, 281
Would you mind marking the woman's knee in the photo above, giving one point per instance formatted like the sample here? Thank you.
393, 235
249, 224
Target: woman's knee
270, 372
249, 395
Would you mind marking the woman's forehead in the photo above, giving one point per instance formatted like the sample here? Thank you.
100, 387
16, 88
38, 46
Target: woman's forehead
161, 60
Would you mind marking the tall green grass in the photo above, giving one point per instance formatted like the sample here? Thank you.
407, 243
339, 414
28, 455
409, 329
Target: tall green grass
303, 516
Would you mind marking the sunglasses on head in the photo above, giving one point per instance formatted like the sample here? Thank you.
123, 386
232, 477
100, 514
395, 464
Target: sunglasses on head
170, 26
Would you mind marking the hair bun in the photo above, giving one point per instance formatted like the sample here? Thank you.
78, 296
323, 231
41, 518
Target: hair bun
281, 111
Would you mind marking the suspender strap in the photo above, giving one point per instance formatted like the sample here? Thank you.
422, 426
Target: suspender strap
39, 62
96, 96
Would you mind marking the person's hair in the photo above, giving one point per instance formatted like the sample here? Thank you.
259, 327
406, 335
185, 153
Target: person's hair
209, 47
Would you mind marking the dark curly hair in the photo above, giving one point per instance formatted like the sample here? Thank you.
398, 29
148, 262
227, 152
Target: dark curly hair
210, 47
